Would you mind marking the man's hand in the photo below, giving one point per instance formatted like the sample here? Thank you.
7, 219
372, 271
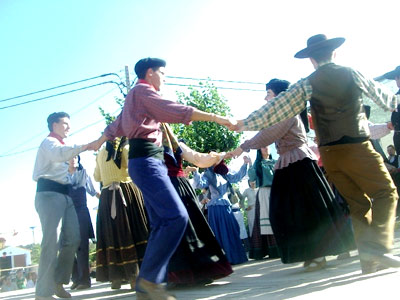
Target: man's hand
95, 145
189, 169
246, 159
235, 153
238, 127
230, 123
390, 126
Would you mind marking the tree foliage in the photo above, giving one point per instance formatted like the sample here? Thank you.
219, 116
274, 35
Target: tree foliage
35, 252
107, 116
206, 136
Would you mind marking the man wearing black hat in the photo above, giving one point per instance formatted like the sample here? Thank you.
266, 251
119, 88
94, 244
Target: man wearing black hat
335, 94
394, 75
140, 121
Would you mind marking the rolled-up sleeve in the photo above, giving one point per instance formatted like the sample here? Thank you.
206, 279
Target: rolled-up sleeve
163, 110
284, 106
267, 136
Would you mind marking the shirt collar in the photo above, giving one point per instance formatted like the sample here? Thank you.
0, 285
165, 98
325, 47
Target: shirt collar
325, 63
55, 135
145, 82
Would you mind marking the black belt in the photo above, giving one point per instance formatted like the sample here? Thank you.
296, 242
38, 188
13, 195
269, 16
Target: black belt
47, 185
348, 140
144, 148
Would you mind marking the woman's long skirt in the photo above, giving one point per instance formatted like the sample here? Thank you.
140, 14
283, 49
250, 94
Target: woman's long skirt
262, 241
226, 229
306, 219
198, 258
121, 241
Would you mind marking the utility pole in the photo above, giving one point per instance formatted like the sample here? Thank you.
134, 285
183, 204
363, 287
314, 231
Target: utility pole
33, 233
127, 81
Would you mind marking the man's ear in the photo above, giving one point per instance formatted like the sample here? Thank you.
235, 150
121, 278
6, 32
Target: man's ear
149, 72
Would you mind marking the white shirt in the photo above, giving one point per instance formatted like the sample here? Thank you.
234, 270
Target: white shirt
251, 195
52, 160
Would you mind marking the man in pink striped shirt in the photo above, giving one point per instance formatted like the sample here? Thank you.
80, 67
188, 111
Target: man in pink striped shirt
140, 120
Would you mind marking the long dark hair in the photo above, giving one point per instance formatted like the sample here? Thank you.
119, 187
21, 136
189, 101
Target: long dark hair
258, 167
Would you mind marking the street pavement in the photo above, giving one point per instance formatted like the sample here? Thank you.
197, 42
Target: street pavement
271, 280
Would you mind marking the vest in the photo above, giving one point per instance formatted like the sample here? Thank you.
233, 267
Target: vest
336, 106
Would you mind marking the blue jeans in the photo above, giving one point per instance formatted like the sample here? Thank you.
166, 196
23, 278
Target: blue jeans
168, 216
57, 256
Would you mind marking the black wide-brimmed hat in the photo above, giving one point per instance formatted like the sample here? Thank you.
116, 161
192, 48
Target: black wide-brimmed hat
319, 42
390, 75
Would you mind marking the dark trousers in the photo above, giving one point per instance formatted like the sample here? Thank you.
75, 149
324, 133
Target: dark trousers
396, 142
80, 271
168, 216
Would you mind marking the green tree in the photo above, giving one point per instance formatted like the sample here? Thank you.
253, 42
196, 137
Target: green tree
35, 252
206, 136
107, 116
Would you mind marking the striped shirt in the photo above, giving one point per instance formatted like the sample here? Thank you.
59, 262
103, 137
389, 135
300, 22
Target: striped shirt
143, 112
290, 103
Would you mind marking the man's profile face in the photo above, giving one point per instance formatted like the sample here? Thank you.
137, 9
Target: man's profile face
156, 78
270, 95
62, 127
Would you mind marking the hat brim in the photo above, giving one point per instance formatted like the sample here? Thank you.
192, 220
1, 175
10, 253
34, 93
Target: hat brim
390, 75
330, 45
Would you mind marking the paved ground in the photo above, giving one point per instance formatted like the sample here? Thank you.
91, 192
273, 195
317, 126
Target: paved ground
270, 279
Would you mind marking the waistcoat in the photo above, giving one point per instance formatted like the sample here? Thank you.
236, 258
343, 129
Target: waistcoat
336, 106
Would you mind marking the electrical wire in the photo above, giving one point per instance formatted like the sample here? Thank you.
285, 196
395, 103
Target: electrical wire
63, 93
217, 87
119, 86
60, 86
73, 133
215, 80
72, 114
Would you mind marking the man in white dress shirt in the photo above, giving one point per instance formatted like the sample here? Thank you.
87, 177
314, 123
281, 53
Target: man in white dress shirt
55, 207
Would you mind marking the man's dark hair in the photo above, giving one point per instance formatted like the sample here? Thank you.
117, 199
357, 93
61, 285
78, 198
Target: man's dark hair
277, 85
144, 64
55, 118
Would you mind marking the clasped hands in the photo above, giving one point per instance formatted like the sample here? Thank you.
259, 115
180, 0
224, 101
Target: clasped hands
231, 124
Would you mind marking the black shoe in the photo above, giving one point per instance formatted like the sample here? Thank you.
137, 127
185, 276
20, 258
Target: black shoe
74, 285
83, 287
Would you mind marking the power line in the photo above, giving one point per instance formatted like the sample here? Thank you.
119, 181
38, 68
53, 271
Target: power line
218, 87
19, 152
44, 131
119, 85
60, 86
94, 101
63, 93
73, 133
215, 80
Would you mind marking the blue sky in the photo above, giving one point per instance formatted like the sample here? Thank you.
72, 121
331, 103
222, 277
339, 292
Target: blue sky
50, 43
